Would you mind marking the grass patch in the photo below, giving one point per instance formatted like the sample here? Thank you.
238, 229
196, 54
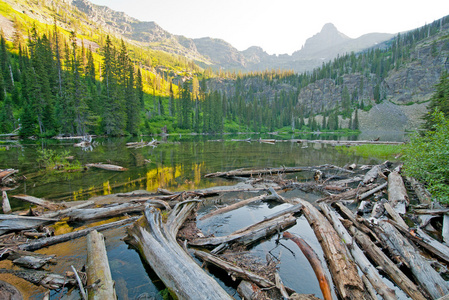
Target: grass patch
390, 152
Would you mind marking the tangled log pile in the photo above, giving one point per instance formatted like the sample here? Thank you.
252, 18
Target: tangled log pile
367, 219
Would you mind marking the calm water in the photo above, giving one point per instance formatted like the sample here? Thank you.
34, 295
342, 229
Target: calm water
177, 164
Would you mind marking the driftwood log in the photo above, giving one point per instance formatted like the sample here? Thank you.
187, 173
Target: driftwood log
248, 173
41, 202
233, 206
14, 223
108, 167
98, 268
85, 214
156, 242
426, 276
397, 194
45, 242
346, 279
46, 279
8, 291
315, 262
30, 260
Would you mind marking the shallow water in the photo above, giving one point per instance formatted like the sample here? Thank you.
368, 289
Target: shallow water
175, 165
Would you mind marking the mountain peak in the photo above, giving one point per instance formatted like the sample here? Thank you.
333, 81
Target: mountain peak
329, 27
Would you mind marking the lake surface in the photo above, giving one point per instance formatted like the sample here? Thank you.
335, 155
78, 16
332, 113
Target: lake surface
179, 163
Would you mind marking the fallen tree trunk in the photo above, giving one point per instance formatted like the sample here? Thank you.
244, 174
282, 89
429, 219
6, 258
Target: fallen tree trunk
157, 244
421, 192
373, 191
351, 194
397, 194
233, 270
348, 283
84, 214
365, 265
14, 223
30, 260
254, 232
386, 265
315, 262
45, 242
43, 278
108, 167
10, 292
426, 276
248, 173
41, 202
395, 215
58, 213
98, 268
233, 206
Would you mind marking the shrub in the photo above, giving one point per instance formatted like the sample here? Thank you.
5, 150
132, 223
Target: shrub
427, 157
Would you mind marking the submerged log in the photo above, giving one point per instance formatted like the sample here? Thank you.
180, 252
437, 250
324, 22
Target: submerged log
84, 214
8, 291
365, 265
348, 283
98, 268
14, 223
157, 244
315, 262
46, 279
254, 232
6, 173
426, 276
45, 242
248, 173
41, 202
108, 167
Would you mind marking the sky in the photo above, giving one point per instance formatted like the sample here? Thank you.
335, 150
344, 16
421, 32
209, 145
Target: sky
280, 26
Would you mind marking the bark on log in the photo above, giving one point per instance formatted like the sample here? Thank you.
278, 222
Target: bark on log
396, 191
248, 173
41, 202
233, 206
45, 242
108, 167
85, 214
14, 223
386, 265
233, 270
255, 232
46, 279
98, 268
157, 244
365, 265
5, 204
315, 262
426, 276
348, 283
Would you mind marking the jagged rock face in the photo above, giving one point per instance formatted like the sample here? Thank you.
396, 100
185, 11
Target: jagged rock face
220, 52
328, 37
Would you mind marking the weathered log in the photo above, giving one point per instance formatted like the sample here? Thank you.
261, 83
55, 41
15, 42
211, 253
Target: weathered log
351, 194
395, 215
248, 290
45, 242
397, 194
6, 173
41, 202
426, 276
84, 214
348, 283
372, 174
14, 223
98, 268
254, 232
248, 173
315, 262
80, 283
445, 229
280, 285
108, 167
422, 193
5, 204
30, 260
386, 265
62, 212
234, 270
46, 279
373, 191
435, 212
365, 265
8, 291
157, 244
233, 206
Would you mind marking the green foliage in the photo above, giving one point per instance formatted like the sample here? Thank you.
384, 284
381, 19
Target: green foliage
53, 160
389, 152
439, 101
427, 157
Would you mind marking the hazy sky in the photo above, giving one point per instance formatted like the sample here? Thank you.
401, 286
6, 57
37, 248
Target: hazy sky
280, 26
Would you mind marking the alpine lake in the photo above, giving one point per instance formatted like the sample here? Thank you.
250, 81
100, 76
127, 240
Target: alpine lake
178, 163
